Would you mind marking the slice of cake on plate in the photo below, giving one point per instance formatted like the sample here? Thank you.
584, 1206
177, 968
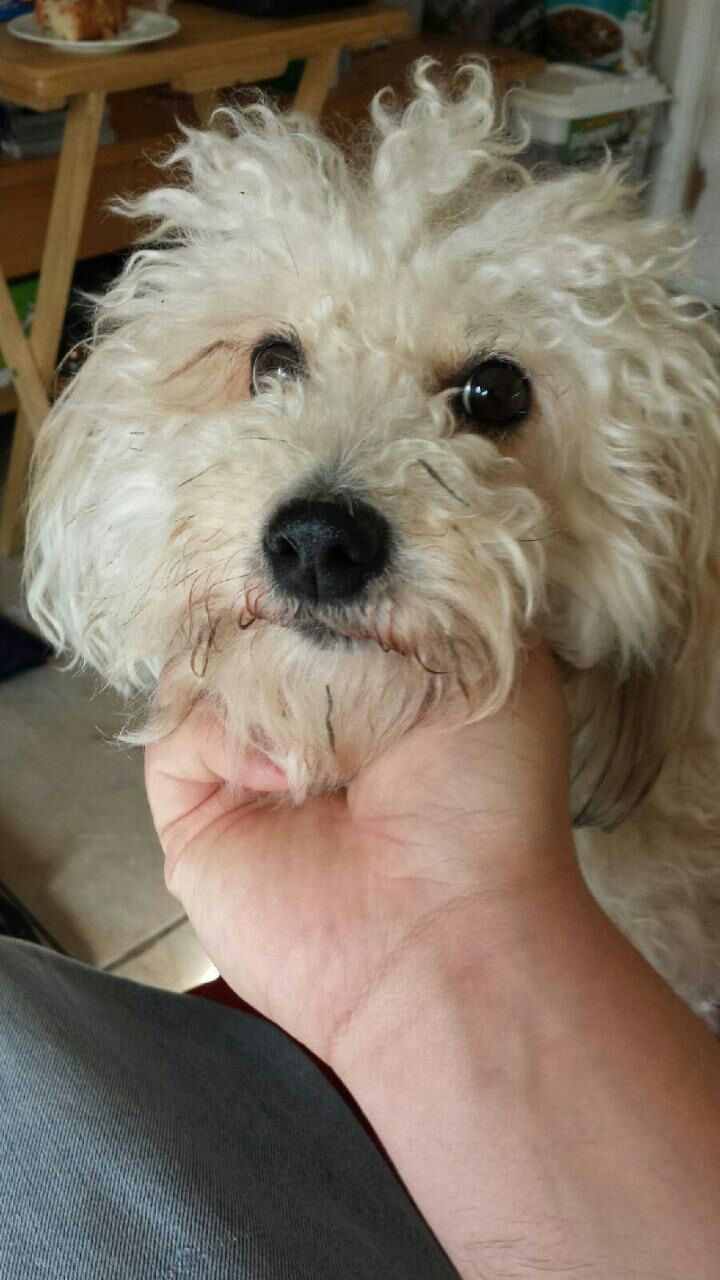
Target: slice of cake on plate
81, 19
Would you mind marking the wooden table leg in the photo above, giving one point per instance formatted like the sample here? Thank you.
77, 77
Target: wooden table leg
204, 101
317, 80
67, 214
20, 360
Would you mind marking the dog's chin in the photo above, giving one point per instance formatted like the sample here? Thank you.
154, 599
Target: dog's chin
323, 636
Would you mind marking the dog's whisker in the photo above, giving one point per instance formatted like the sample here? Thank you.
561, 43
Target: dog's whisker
415, 653
198, 474
233, 577
125, 622
541, 537
182, 526
328, 719
239, 595
393, 642
462, 686
422, 462
84, 511
217, 533
199, 658
187, 577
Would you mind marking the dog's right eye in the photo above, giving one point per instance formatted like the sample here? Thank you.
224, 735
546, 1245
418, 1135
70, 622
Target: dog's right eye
275, 360
496, 396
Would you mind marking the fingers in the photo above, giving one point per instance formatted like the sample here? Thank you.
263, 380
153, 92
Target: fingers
196, 774
185, 768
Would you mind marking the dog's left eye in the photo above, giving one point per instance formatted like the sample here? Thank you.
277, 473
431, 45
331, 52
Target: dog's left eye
275, 359
496, 396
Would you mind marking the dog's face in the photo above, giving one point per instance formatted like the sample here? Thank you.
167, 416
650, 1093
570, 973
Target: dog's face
351, 438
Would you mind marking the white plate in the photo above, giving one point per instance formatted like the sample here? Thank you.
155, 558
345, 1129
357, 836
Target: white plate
143, 27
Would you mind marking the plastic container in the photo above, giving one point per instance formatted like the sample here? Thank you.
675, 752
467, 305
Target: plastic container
576, 113
616, 34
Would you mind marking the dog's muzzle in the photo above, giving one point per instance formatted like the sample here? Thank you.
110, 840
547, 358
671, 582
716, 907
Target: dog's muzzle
326, 551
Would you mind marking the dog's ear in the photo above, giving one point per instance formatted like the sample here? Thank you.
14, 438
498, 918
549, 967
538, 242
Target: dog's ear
96, 519
636, 606
623, 732
632, 711
646, 697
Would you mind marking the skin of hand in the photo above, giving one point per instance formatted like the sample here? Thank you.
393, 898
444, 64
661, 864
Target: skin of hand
306, 911
549, 1103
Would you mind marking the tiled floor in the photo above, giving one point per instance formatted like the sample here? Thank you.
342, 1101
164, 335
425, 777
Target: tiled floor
76, 842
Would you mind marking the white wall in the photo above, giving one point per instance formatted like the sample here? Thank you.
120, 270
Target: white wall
687, 59
684, 57
666, 49
705, 220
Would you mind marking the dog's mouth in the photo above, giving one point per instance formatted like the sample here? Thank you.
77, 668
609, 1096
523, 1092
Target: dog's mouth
337, 633
377, 624
337, 629
325, 636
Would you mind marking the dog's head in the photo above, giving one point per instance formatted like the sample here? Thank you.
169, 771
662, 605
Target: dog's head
354, 432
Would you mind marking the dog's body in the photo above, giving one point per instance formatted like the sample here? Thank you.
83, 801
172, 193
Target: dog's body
351, 438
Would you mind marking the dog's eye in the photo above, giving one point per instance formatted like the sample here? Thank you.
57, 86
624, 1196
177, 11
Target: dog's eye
496, 396
275, 359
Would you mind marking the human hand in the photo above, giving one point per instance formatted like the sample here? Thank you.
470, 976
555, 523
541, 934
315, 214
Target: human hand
307, 910
542, 1094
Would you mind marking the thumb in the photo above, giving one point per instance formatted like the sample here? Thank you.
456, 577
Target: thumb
197, 773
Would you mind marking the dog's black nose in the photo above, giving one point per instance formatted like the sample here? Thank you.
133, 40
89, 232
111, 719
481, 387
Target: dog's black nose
322, 551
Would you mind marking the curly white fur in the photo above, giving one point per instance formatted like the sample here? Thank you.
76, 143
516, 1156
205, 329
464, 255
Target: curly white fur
595, 524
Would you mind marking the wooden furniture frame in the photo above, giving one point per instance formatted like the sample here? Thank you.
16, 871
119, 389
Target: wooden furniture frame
213, 49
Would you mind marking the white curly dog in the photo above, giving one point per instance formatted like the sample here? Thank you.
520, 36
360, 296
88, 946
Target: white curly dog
353, 433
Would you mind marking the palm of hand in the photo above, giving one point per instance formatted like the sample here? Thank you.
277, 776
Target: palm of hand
305, 910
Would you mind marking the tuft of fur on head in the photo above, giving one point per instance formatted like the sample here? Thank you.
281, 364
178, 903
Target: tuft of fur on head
592, 524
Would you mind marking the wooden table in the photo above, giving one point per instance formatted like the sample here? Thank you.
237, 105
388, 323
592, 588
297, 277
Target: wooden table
212, 49
373, 69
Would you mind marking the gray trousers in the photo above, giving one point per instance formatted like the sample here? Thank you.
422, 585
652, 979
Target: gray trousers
151, 1136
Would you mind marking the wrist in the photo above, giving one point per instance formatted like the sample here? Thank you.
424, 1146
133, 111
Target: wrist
444, 1058
503, 1062
449, 972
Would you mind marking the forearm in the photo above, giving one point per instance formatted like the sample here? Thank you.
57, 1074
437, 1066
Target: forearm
548, 1102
